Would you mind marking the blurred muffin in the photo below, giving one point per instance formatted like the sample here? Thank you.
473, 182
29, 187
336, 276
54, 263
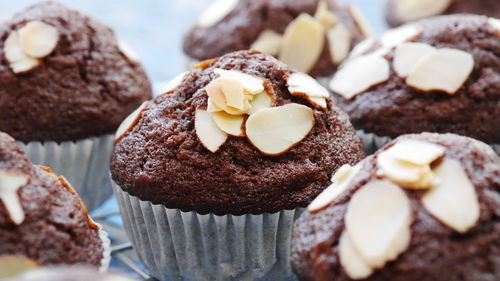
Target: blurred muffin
425, 207
66, 83
398, 12
438, 75
311, 36
68, 274
42, 220
241, 134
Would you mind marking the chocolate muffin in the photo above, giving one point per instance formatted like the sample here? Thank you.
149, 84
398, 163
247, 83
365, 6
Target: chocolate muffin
424, 207
64, 76
398, 12
171, 152
311, 36
41, 217
68, 274
438, 75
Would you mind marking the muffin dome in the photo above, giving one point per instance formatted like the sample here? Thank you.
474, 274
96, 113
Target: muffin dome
401, 11
438, 75
63, 76
172, 153
41, 217
424, 207
311, 36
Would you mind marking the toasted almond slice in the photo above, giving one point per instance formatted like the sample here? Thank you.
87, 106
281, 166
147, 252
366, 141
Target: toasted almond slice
11, 266
212, 107
324, 16
442, 70
360, 20
172, 84
19, 62
408, 54
303, 43
300, 82
251, 84
275, 130
10, 183
339, 40
269, 42
378, 221
129, 122
362, 47
214, 92
410, 10
209, 134
261, 101
359, 74
38, 39
495, 23
350, 259
416, 152
453, 200
340, 181
230, 124
216, 12
233, 92
319, 103
126, 50
401, 34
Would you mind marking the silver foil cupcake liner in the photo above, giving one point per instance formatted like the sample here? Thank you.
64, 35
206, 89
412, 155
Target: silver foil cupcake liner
84, 163
106, 254
176, 245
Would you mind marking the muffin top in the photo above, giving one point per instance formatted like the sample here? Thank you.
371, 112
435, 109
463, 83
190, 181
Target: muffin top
398, 12
311, 36
438, 75
64, 76
267, 139
41, 216
424, 207
67, 274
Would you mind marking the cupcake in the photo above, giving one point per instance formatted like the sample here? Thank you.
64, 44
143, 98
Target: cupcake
210, 175
67, 274
424, 207
398, 12
311, 36
437, 75
66, 83
42, 220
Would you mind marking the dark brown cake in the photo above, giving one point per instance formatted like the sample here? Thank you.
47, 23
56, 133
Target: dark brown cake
83, 87
52, 226
435, 250
397, 15
394, 105
243, 26
162, 160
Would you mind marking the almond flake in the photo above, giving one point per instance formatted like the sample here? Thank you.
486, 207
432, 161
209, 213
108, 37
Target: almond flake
129, 122
216, 12
410, 10
230, 124
209, 134
350, 259
19, 62
11, 266
38, 39
251, 84
10, 183
360, 20
269, 42
408, 54
401, 34
339, 40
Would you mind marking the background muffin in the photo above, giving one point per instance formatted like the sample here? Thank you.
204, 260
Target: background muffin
41, 216
401, 11
311, 36
435, 220
439, 75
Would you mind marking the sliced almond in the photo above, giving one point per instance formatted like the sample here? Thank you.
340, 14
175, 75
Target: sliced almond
212, 107
216, 12
126, 50
408, 54
233, 92
350, 259
172, 84
129, 122
339, 40
378, 221
269, 42
11, 266
453, 200
324, 16
10, 183
319, 103
303, 43
495, 23
251, 84
340, 182
230, 124
19, 62
360, 20
359, 74
401, 34
209, 134
261, 101
38, 39
277, 129
443, 70
300, 82
410, 10
362, 47
416, 152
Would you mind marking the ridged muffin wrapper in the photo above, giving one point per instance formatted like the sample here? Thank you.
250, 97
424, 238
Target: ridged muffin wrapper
177, 245
84, 163
106, 253
373, 142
